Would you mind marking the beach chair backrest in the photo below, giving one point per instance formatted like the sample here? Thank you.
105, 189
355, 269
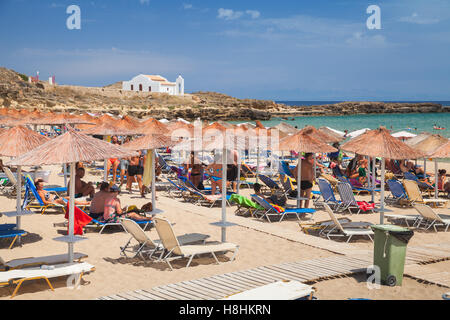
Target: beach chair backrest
326, 190
412, 189
333, 217
426, 212
135, 231
286, 183
396, 189
29, 182
10, 175
285, 168
346, 193
410, 176
262, 202
167, 236
175, 185
268, 182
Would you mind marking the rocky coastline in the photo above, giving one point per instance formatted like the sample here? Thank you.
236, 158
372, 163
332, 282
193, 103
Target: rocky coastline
16, 92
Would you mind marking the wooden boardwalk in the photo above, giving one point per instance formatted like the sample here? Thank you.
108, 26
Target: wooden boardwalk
220, 286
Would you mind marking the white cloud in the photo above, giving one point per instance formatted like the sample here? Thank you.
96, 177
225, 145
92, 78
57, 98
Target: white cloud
147, 2
229, 14
417, 19
187, 6
253, 13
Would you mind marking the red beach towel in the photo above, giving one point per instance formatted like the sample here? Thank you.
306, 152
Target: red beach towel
81, 219
365, 206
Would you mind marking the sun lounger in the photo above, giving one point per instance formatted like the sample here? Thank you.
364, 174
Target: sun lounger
177, 251
431, 218
270, 210
280, 290
409, 219
148, 246
327, 194
415, 196
38, 204
12, 233
247, 172
201, 198
10, 187
349, 202
18, 276
422, 185
39, 261
347, 230
272, 185
244, 205
398, 193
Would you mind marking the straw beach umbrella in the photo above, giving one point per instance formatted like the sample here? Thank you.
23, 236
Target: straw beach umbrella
380, 143
71, 147
13, 143
153, 126
442, 152
303, 141
151, 142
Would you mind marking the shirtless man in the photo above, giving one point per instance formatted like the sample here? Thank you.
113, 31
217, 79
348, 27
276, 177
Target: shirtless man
307, 177
135, 172
82, 189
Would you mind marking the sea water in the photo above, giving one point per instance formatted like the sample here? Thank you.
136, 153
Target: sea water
411, 122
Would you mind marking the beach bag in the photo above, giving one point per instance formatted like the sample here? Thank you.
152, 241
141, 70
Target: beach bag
132, 209
148, 207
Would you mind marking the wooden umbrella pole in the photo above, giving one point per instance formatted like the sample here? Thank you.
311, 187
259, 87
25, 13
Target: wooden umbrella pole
382, 192
224, 193
153, 179
257, 162
299, 178
315, 166
436, 183
71, 209
374, 162
19, 200
239, 172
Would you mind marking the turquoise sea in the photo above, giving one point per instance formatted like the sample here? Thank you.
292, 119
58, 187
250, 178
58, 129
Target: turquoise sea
412, 122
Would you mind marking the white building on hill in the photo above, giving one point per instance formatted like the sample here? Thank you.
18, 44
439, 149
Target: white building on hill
152, 83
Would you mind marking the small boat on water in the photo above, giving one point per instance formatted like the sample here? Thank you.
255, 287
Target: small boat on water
438, 128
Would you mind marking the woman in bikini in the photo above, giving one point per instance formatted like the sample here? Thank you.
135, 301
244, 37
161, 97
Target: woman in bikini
196, 171
50, 198
113, 162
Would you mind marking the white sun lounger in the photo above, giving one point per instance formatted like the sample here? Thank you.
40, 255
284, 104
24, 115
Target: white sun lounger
144, 240
38, 261
431, 218
347, 230
280, 290
173, 246
18, 276
408, 218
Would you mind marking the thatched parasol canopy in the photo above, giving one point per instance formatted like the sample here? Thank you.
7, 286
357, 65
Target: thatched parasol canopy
331, 133
429, 144
443, 152
69, 148
57, 119
153, 126
380, 143
106, 129
319, 135
150, 142
19, 140
286, 128
303, 141
181, 129
419, 138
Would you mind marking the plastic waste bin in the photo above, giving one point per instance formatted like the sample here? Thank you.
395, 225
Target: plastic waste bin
390, 251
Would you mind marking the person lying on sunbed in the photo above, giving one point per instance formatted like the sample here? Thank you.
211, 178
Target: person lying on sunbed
113, 210
273, 199
50, 198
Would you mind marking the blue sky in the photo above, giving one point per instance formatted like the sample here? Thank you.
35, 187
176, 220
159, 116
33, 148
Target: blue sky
281, 50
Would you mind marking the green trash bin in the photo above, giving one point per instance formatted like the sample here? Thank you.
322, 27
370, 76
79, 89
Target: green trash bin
390, 251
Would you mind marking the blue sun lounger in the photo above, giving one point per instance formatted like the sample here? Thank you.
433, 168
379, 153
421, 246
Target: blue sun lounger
11, 233
328, 194
271, 211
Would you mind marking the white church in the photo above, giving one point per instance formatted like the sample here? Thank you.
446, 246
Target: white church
154, 83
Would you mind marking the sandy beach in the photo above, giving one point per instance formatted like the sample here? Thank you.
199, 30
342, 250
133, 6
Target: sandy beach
261, 244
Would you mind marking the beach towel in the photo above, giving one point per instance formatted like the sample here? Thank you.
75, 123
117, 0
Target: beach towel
278, 208
147, 177
365, 206
81, 219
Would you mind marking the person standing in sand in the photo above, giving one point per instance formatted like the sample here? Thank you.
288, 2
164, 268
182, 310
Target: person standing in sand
307, 172
135, 172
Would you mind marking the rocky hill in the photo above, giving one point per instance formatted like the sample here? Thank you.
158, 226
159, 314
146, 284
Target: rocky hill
16, 92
